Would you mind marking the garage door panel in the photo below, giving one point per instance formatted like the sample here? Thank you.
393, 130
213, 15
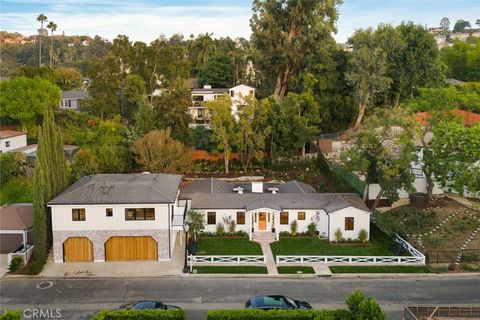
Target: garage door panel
131, 248
78, 249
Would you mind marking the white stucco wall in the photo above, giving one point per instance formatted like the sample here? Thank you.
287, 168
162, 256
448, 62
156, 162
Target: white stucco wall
96, 219
14, 143
310, 216
221, 213
337, 220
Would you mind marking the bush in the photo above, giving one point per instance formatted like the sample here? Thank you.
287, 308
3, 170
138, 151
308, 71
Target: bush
338, 235
363, 236
17, 190
15, 264
312, 229
11, 315
220, 229
154, 314
231, 227
294, 227
34, 267
237, 234
361, 308
255, 314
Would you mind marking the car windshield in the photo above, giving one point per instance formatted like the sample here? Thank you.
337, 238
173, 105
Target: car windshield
144, 305
269, 301
159, 305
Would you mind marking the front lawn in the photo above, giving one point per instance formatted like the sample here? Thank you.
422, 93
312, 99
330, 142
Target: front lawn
295, 270
379, 245
227, 246
380, 269
231, 269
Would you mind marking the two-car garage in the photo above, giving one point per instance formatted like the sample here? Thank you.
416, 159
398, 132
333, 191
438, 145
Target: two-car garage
118, 248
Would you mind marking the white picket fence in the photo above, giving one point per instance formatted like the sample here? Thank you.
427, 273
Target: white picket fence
229, 260
416, 257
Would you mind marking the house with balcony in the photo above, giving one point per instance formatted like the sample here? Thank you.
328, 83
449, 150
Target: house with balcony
198, 110
117, 217
258, 207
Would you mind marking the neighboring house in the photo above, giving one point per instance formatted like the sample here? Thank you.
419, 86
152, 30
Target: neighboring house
11, 140
31, 151
16, 222
72, 99
198, 111
272, 207
114, 217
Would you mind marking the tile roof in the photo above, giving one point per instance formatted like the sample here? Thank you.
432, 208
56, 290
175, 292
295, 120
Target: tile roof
121, 189
17, 216
10, 133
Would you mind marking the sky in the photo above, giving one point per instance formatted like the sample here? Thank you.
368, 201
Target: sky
145, 20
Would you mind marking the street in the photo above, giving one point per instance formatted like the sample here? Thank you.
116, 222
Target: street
81, 298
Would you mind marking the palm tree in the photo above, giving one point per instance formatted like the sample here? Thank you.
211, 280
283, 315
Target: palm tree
53, 27
41, 18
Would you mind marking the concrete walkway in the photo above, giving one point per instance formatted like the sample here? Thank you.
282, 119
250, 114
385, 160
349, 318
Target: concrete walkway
265, 238
120, 268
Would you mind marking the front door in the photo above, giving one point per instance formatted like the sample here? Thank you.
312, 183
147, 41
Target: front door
262, 221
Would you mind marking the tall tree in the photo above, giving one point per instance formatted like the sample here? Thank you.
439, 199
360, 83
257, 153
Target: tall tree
53, 27
40, 18
366, 71
133, 94
286, 32
70, 78
445, 25
462, 60
157, 151
218, 72
461, 25
383, 151
223, 126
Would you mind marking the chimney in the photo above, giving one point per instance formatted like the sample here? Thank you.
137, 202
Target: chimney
257, 187
207, 86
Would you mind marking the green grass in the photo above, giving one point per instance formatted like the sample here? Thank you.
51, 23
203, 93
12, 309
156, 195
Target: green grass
380, 269
379, 245
16, 190
227, 246
293, 270
231, 269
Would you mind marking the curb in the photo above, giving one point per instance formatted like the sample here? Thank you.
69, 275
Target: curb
251, 275
407, 275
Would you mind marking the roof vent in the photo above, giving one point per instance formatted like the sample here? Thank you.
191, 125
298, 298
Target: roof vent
145, 172
238, 190
273, 190
257, 186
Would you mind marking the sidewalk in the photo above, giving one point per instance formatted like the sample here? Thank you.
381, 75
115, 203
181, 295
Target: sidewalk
265, 239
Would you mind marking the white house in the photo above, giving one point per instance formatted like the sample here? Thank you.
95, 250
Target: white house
198, 110
11, 140
114, 217
72, 99
272, 207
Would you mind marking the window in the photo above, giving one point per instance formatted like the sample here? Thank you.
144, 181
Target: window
197, 98
232, 93
211, 217
283, 217
349, 223
301, 215
78, 214
240, 217
7, 144
109, 212
140, 214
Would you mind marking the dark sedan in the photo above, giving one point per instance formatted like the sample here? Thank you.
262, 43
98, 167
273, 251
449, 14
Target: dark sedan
148, 304
276, 302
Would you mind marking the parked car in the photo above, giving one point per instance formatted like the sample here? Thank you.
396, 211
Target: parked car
276, 302
148, 304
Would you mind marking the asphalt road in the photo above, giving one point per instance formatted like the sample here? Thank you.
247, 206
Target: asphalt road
81, 298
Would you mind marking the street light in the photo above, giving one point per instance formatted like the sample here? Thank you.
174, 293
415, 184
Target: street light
186, 227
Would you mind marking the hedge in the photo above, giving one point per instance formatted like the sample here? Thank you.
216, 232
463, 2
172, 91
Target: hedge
140, 315
256, 314
11, 315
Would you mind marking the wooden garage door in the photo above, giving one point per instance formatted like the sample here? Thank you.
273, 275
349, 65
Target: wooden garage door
77, 249
130, 248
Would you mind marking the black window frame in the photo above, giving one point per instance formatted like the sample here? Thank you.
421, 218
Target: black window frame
109, 212
139, 214
301, 213
214, 215
241, 214
282, 217
78, 214
348, 223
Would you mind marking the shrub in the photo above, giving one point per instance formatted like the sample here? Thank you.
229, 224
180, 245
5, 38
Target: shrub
363, 236
338, 235
11, 315
255, 314
34, 267
154, 314
294, 227
361, 308
231, 227
284, 234
220, 229
15, 264
312, 229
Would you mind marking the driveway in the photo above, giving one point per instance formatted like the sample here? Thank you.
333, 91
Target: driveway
3, 264
119, 269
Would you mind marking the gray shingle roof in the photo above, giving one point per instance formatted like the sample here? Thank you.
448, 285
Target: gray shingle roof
75, 94
121, 189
